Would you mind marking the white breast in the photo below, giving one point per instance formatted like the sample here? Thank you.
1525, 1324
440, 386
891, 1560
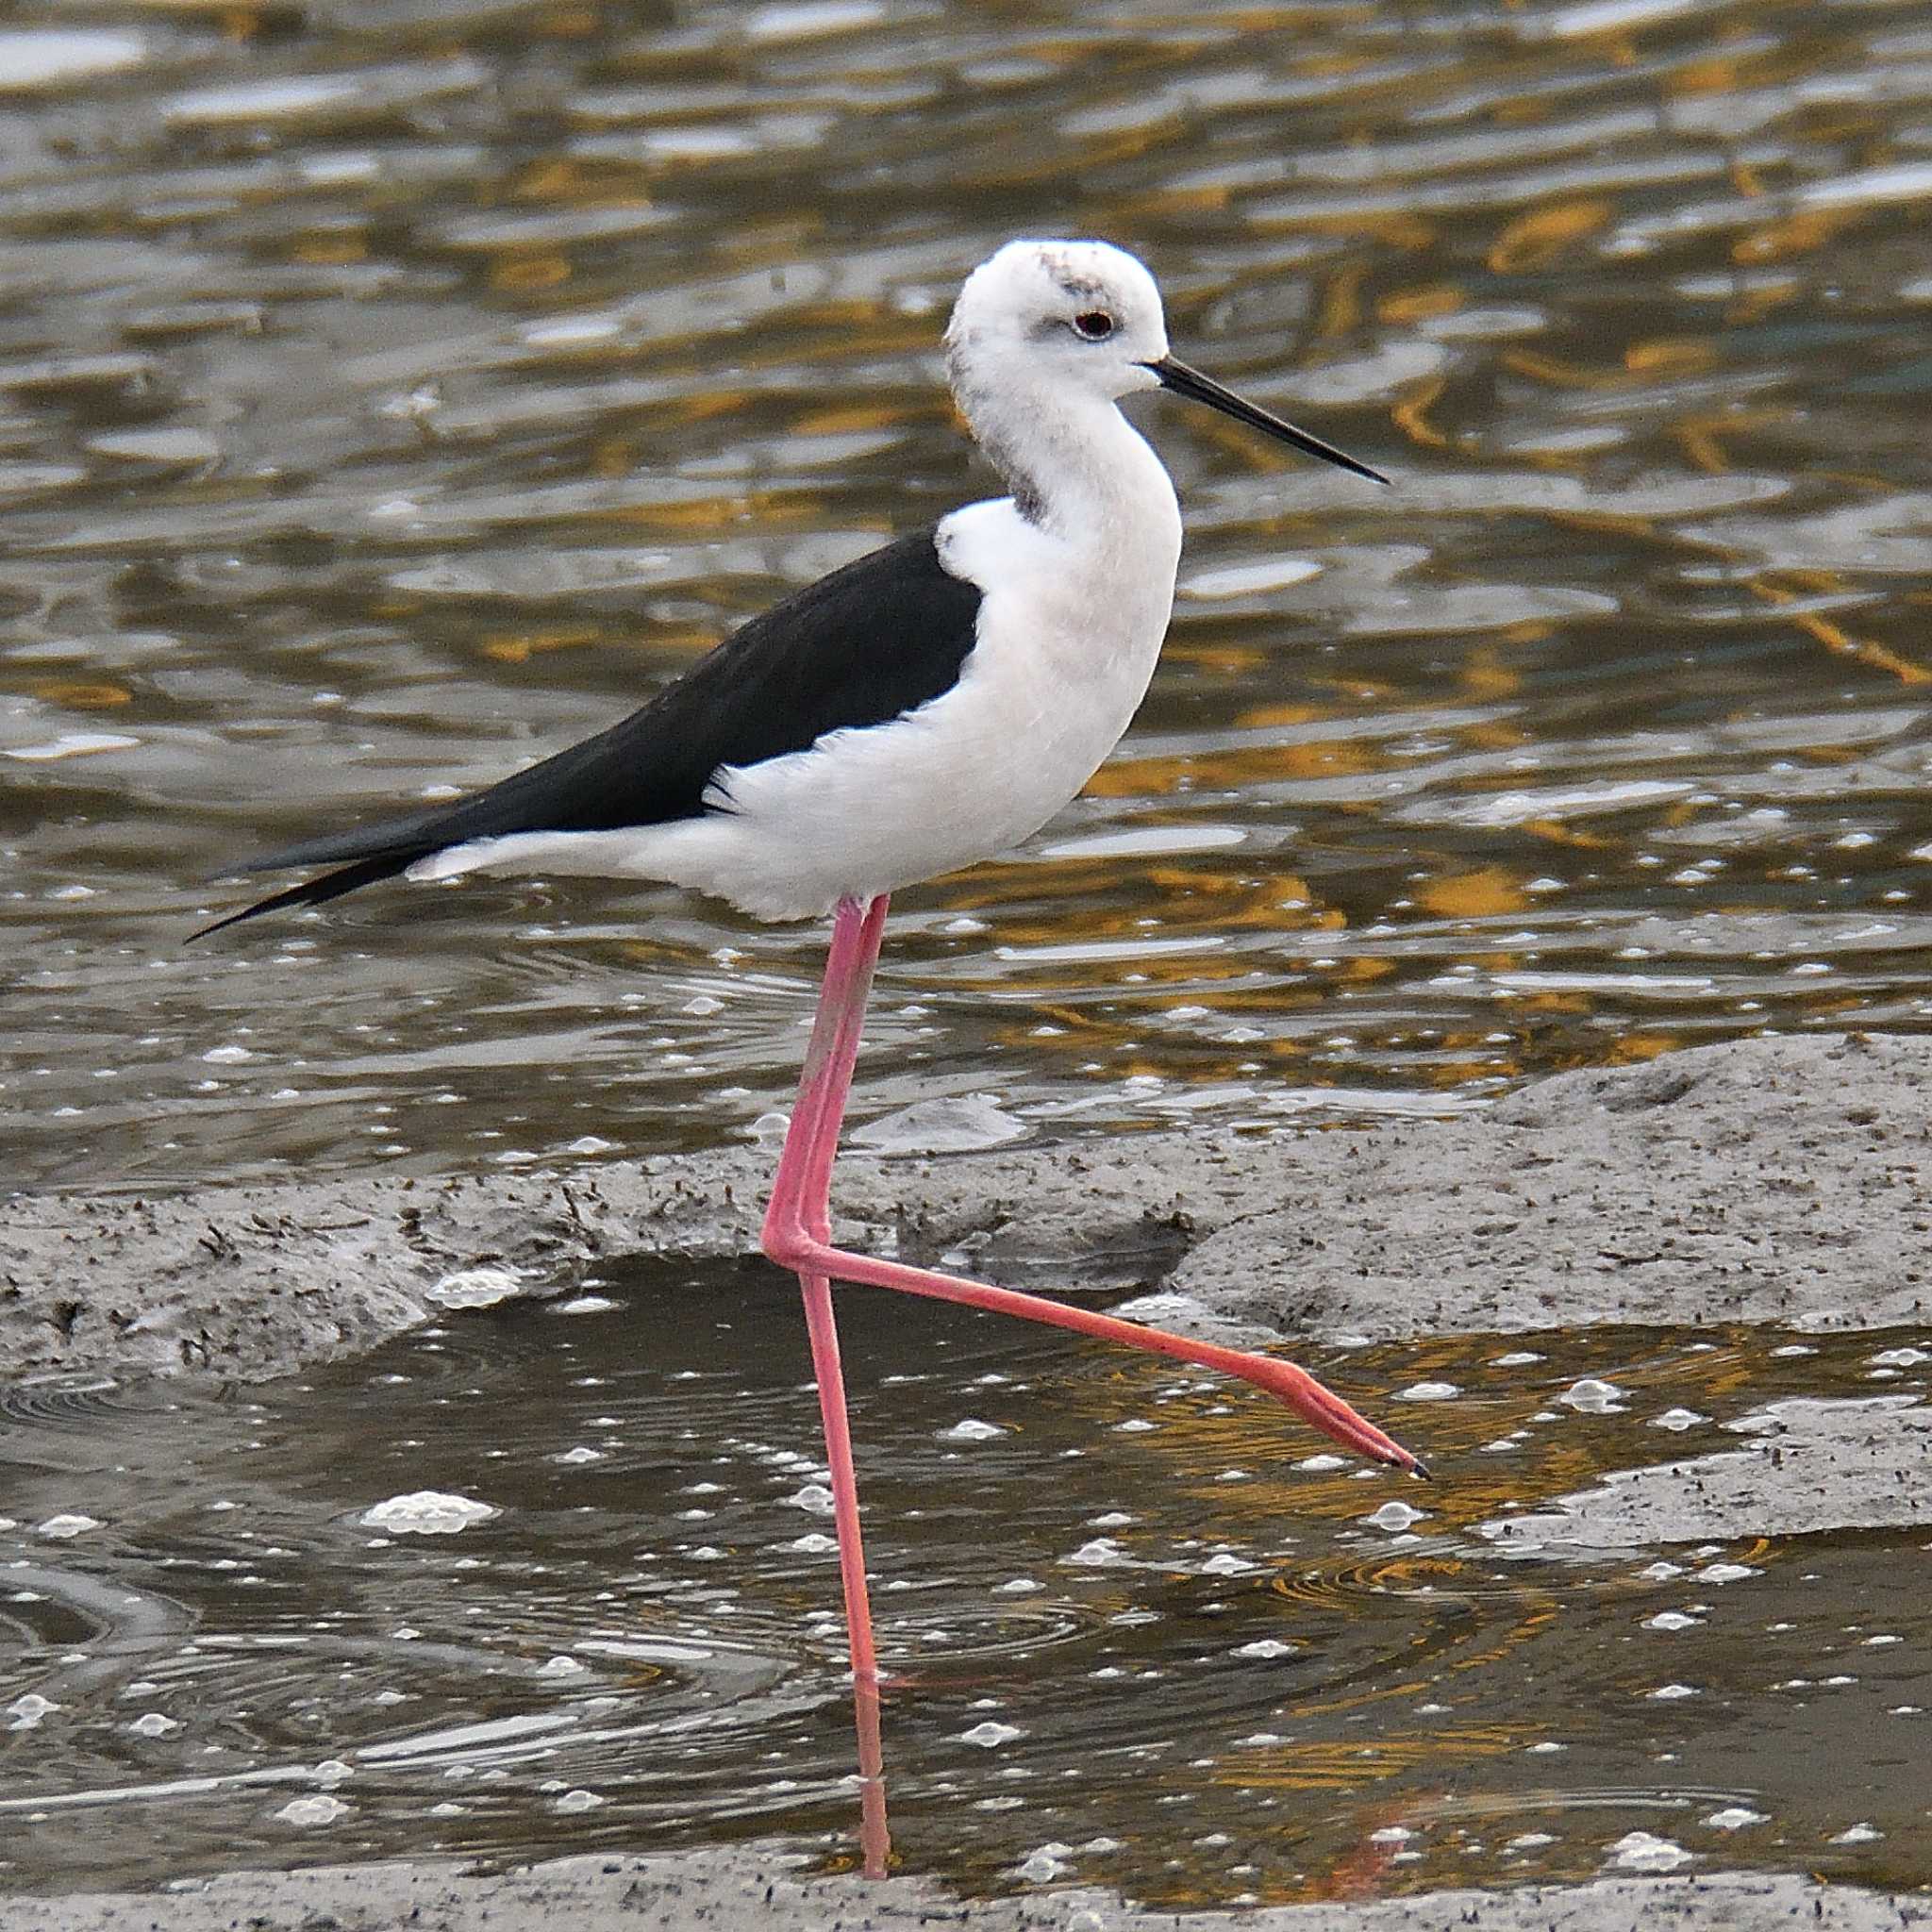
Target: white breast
1070, 627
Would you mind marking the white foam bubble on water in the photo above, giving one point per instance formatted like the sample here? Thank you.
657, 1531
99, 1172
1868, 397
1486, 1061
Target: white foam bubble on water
990, 1735
1250, 580
1098, 1554
72, 745
1050, 1861
805, 20
1589, 1395
1727, 1572
473, 1288
1641, 1851
320, 1810
264, 100
426, 1512
28, 1709
1735, 1818
971, 1429
70, 1524
1394, 1516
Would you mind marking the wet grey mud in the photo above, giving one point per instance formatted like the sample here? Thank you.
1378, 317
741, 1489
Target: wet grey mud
409, 1470
548, 1569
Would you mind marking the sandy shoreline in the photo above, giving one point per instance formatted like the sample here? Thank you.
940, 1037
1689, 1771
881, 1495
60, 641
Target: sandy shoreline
1776, 1181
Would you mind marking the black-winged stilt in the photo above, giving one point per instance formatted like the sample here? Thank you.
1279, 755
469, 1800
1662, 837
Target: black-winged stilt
922, 709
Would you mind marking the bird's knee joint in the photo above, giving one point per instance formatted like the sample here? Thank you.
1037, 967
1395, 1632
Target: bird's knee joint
788, 1246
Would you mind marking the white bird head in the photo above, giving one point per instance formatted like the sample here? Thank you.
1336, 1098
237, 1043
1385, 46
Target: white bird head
1084, 316
1077, 321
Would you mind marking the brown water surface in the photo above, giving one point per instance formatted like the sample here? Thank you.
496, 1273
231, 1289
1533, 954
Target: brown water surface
390, 392
1141, 1630
388, 395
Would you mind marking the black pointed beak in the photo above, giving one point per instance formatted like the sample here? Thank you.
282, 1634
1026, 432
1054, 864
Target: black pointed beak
1183, 381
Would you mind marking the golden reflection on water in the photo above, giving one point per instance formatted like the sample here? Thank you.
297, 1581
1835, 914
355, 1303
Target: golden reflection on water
389, 398
1246, 1674
1477, 1623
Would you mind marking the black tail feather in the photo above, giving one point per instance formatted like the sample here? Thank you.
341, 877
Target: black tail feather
870, 644
331, 884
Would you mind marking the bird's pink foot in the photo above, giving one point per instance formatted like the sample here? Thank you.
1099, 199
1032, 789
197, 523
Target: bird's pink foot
793, 1247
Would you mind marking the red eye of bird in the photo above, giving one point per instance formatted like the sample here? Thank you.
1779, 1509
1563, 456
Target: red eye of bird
1096, 324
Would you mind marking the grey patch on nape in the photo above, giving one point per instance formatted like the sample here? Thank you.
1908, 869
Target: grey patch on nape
1030, 499
1027, 499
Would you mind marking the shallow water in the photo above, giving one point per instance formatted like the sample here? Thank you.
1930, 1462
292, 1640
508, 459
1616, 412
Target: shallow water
390, 394
1140, 1618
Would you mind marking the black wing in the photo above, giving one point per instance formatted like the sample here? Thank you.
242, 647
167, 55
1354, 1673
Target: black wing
861, 647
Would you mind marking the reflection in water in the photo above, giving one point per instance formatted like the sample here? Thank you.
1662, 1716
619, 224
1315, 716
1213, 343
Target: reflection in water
392, 397
387, 396
1136, 1625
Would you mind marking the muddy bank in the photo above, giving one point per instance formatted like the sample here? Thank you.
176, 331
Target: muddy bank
1772, 1180
756, 1886
1808, 1466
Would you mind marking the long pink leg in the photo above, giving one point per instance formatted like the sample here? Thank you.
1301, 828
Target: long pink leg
798, 1235
1316, 1404
797, 1230
804, 1171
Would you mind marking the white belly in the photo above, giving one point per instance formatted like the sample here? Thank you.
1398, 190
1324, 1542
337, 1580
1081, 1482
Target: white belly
1066, 646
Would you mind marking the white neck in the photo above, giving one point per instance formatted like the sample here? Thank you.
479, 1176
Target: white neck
1077, 467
